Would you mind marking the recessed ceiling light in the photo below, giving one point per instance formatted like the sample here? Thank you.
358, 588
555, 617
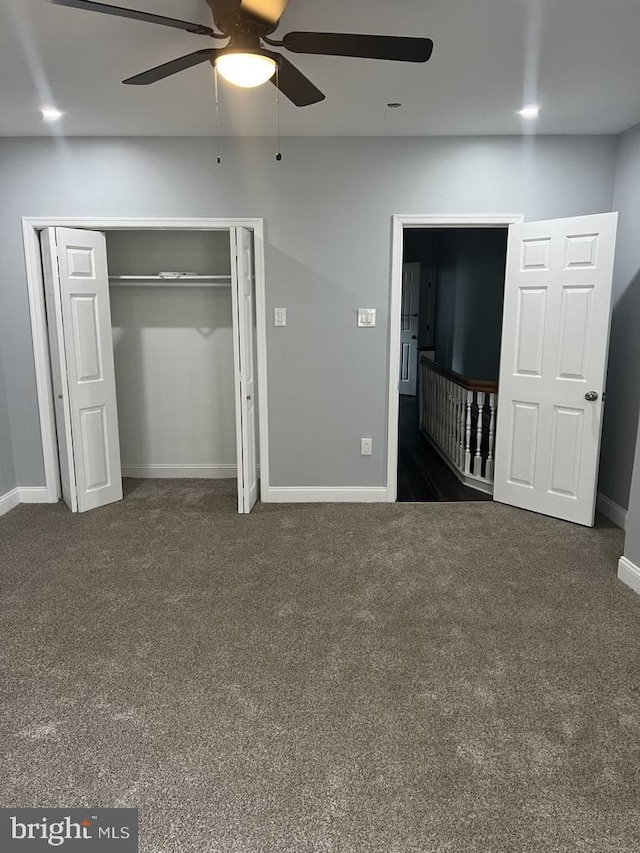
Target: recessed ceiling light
51, 114
531, 111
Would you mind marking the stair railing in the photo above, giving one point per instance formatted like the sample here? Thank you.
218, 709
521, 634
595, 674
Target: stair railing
458, 416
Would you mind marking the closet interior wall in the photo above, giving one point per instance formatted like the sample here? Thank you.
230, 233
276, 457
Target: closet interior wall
173, 351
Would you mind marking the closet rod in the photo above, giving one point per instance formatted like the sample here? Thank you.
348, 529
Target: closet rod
160, 280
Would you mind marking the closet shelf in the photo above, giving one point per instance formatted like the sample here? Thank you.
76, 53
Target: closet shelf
167, 281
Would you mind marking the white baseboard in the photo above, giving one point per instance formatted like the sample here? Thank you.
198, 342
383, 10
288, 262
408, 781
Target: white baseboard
34, 495
209, 472
629, 573
9, 500
24, 495
611, 510
323, 494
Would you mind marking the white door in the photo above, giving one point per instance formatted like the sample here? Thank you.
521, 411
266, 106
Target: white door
79, 321
242, 291
554, 355
409, 329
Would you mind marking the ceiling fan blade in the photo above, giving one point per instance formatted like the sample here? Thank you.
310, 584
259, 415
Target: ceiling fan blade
173, 67
121, 12
292, 83
265, 10
400, 48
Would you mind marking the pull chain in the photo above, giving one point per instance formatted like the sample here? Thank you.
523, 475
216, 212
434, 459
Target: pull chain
215, 86
278, 154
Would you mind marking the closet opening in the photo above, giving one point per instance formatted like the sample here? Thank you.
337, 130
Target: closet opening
154, 355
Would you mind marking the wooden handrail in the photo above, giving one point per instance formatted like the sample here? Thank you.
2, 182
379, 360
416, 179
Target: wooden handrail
468, 384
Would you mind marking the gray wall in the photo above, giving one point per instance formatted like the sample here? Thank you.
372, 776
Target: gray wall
327, 206
7, 473
481, 260
632, 538
623, 380
471, 267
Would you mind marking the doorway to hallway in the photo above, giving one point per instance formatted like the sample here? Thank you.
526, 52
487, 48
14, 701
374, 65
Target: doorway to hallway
451, 323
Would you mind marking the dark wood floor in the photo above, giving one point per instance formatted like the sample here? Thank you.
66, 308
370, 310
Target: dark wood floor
422, 474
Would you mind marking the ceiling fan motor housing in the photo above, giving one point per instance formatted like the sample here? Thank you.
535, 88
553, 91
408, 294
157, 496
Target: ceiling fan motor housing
233, 21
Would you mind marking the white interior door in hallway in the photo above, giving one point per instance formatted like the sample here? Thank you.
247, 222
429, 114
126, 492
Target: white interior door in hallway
409, 329
553, 365
170, 332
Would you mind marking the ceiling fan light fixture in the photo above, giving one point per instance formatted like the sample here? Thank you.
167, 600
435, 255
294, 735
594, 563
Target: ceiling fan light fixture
244, 69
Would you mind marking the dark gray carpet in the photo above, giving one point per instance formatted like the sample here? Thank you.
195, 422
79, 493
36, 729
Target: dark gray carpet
352, 678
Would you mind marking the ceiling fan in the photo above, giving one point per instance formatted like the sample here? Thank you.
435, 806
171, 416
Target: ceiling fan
244, 60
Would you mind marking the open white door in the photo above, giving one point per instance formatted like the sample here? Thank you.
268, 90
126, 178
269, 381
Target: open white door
409, 329
242, 294
79, 321
555, 342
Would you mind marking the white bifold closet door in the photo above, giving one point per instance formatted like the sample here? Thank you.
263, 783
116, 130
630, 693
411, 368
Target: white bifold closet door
555, 340
79, 321
243, 301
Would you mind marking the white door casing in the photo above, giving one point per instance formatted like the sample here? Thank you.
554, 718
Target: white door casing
409, 329
242, 294
83, 320
58, 367
555, 340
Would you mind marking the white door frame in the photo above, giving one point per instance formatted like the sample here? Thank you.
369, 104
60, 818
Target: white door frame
31, 226
400, 222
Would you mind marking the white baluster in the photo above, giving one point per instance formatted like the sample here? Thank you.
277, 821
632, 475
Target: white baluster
492, 432
447, 395
477, 462
429, 404
440, 427
432, 413
421, 380
449, 418
425, 397
432, 417
467, 433
455, 424
461, 417
455, 444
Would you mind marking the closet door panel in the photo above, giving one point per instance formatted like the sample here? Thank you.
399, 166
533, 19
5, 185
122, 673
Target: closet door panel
55, 332
86, 320
242, 253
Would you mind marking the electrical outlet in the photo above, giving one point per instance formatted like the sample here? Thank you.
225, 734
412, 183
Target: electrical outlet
366, 447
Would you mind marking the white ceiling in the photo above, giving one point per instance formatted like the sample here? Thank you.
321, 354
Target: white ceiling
578, 58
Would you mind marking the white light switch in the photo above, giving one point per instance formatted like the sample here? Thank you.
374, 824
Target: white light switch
366, 318
279, 316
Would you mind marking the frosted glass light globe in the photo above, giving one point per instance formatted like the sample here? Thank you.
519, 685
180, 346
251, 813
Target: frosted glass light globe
246, 69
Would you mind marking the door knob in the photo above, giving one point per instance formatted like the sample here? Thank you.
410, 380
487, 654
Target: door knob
591, 396
414, 337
